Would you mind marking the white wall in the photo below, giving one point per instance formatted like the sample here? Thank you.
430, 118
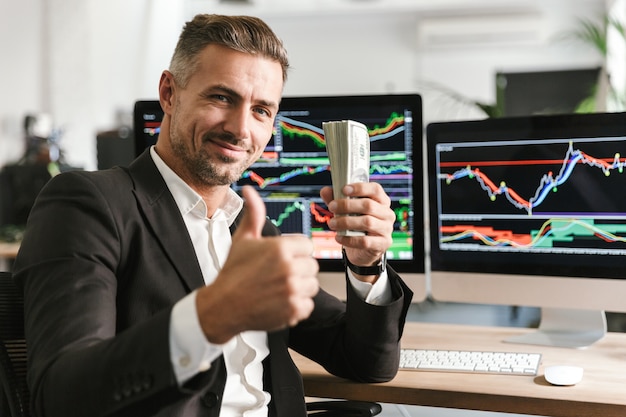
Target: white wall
377, 53
342, 55
471, 69
20, 74
81, 61
84, 60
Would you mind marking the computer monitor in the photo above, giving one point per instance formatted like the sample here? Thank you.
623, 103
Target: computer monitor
147, 116
295, 166
527, 211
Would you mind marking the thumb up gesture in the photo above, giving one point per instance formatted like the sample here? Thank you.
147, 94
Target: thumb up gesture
266, 283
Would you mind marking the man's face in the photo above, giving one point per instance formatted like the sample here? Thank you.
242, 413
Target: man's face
223, 119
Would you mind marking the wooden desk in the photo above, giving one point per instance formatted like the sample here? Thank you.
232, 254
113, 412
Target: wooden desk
602, 392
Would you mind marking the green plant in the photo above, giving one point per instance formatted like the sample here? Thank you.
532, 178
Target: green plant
594, 33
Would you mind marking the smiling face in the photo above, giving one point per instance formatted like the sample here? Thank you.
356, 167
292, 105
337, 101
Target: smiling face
220, 122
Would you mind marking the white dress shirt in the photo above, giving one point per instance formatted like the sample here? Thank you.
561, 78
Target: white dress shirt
191, 353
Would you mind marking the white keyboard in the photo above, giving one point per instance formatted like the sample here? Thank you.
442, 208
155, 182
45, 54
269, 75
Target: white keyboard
512, 363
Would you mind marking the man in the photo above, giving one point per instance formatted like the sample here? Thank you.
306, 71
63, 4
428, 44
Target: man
138, 300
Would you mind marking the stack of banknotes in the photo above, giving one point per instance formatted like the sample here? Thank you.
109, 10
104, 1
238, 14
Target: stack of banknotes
348, 148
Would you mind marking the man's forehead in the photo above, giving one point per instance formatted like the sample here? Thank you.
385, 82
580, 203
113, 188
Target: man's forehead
238, 71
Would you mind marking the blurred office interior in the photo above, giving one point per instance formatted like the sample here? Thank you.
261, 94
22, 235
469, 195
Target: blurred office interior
74, 68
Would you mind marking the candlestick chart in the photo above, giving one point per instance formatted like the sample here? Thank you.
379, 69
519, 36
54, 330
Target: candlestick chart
545, 196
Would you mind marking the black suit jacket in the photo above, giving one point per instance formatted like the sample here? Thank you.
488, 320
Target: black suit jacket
105, 257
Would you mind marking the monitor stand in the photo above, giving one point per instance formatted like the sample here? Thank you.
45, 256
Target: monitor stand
566, 328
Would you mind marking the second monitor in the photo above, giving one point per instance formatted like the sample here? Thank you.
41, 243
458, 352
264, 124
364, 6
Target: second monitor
529, 211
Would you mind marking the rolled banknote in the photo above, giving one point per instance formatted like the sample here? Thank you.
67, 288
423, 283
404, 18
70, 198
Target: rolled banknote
348, 148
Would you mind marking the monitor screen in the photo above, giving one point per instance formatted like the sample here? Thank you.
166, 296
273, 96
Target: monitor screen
526, 211
147, 116
295, 166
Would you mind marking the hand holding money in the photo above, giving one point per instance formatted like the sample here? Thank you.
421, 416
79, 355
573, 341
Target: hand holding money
348, 147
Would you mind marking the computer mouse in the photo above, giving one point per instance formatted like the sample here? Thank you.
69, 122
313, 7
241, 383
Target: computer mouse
563, 374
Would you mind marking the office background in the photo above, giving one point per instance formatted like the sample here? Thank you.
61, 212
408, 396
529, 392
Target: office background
85, 62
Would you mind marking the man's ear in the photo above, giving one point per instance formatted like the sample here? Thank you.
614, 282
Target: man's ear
166, 90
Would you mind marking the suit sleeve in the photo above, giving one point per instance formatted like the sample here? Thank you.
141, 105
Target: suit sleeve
355, 340
82, 359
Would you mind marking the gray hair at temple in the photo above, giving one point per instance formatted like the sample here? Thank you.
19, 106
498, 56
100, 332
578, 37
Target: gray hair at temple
246, 34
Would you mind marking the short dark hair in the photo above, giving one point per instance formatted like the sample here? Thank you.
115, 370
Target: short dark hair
242, 33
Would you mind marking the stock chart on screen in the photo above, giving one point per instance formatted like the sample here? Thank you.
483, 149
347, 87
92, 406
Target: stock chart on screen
295, 166
555, 196
538, 195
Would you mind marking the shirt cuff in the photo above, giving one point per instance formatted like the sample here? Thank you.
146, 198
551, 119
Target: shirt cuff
190, 352
378, 293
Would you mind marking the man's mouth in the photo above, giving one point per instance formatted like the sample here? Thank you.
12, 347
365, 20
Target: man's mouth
226, 147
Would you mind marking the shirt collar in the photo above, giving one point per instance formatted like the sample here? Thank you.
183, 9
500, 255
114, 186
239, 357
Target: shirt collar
189, 201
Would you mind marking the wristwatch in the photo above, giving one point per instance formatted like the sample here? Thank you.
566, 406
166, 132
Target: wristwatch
366, 270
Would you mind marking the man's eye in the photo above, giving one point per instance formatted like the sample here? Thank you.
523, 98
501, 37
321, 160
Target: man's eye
263, 112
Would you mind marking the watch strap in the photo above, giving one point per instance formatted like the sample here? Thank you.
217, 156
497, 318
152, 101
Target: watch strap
365, 270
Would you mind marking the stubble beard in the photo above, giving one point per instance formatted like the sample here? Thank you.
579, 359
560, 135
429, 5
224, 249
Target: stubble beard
205, 168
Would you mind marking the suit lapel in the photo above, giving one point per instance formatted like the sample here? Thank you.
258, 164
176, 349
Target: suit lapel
282, 378
163, 217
